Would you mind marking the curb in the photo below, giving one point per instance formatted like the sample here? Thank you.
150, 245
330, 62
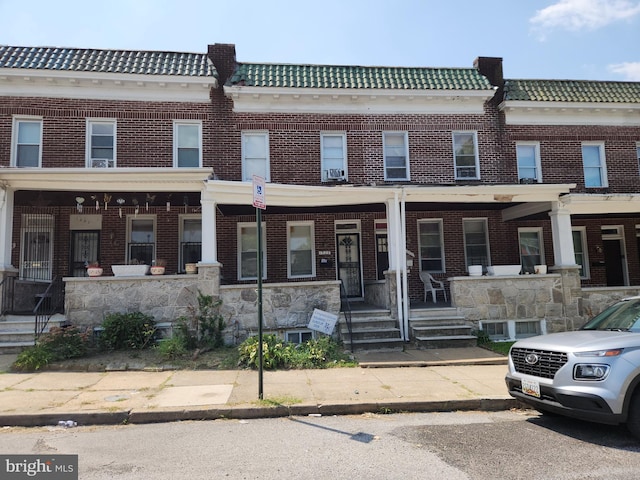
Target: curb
250, 413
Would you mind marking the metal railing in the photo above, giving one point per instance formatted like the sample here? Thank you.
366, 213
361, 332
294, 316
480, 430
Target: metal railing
345, 308
50, 302
7, 289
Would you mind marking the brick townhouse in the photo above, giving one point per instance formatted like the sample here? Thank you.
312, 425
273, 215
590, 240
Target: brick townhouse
375, 176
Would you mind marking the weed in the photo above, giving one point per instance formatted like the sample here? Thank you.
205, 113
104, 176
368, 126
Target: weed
127, 331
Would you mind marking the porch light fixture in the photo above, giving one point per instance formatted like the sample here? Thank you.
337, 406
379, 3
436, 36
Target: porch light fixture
79, 202
120, 202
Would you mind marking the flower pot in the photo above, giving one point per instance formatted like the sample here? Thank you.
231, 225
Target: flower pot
156, 270
540, 269
130, 270
475, 270
191, 268
94, 271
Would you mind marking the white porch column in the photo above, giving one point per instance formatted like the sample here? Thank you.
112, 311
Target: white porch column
209, 243
562, 236
397, 258
6, 227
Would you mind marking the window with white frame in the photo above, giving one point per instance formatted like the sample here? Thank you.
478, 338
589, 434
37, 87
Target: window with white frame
190, 240
579, 235
496, 330
255, 156
527, 328
396, 155
27, 145
476, 241
101, 143
141, 247
528, 155
298, 336
187, 144
638, 155
465, 154
531, 248
431, 246
301, 250
248, 251
333, 149
594, 164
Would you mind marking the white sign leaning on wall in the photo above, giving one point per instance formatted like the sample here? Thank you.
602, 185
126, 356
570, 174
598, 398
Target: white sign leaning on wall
322, 321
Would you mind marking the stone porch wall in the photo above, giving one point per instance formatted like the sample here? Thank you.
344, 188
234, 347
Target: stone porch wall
285, 306
595, 300
517, 297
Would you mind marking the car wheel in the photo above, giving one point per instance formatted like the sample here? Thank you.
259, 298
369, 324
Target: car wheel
633, 419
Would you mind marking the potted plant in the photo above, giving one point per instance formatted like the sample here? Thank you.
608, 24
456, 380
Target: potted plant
94, 269
158, 266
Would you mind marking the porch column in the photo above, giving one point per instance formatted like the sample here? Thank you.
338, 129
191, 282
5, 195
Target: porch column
209, 243
563, 252
6, 227
397, 258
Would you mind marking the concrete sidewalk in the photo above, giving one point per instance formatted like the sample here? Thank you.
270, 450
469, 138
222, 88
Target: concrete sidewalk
437, 380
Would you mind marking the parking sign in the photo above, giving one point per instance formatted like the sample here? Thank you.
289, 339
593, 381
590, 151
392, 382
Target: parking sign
258, 193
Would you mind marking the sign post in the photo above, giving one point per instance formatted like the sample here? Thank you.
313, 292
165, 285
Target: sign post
260, 204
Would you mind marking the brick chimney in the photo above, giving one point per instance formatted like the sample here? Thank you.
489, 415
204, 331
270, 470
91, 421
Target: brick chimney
490, 67
223, 56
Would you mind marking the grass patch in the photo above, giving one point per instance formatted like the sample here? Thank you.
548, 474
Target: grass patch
498, 347
279, 401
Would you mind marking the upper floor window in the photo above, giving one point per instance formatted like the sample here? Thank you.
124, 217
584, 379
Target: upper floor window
396, 155
431, 245
476, 241
465, 154
187, 144
333, 148
101, 143
27, 145
595, 168
531, 248
255, 156
528, 154
301, 250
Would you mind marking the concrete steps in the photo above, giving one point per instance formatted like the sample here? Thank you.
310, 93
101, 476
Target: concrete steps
18, 331
372, 330
441, 328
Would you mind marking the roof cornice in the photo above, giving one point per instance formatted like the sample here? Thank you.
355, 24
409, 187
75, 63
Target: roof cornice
104, 86
524, 112
352, 100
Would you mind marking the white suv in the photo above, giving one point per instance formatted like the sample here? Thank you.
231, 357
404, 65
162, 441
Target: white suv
592, 373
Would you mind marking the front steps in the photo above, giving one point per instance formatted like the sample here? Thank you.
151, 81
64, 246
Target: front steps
429, 328
18, 331
440, 328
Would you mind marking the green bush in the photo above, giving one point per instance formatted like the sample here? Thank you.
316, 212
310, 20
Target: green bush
122, 331
172, 348
278, 354
60, 343
204, 327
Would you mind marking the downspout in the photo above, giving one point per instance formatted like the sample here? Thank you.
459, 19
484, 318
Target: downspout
397, 232
405, 282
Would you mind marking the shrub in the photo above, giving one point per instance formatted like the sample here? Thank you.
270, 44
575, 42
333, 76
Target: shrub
204, 328
172, 348
59, 343
276, 353
123, 331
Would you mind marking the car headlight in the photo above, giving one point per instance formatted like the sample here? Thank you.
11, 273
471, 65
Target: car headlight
590, 371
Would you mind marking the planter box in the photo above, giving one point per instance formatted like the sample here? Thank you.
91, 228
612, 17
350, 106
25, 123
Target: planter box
499, 270
130, 270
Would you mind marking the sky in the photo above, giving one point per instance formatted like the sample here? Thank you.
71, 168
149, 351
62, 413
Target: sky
553, 39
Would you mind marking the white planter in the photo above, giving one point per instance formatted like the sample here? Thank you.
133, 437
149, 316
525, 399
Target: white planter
500, 270
475, 270
540, 269
130, 270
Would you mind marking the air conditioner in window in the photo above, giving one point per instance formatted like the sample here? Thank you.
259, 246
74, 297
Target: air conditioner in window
528, 180
335, 174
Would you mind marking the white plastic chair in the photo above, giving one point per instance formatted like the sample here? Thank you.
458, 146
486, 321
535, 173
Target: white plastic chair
432, 285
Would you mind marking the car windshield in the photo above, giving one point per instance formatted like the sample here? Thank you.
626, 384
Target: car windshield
622, 316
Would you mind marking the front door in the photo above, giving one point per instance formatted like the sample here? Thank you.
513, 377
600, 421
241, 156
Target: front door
614, 255
349, 268
85, 248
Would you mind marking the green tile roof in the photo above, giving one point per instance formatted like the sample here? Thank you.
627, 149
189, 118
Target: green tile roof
572, 91
326, 76
134, 62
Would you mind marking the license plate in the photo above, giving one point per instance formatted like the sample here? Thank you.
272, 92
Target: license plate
531, 387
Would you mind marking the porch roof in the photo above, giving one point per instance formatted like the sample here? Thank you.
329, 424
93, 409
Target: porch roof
591, 204
241, 193
117, 179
